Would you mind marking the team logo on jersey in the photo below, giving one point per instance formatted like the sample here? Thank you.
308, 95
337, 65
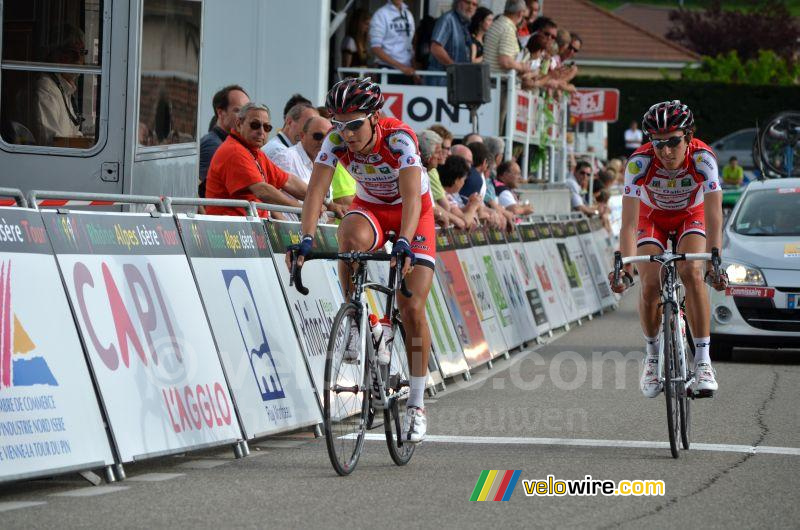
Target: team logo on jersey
398, 139
373, 158
419, 238
713, 185
370, 170
627, 190
335, 139
671, 183
323, 157
638, 192
696, 223
656, 183
686, 182
635, 167
410, 160
385, 170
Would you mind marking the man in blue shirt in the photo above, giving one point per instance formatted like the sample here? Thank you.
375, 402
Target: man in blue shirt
451, 41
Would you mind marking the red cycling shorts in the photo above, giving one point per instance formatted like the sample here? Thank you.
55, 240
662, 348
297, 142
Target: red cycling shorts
386, 219
656, 225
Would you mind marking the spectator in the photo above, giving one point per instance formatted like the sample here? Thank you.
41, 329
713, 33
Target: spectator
475, 182
299, 159
481, 162
226, 103
509, 176
430, 149
563, 40
576, 183
501, 46
472, 137
447, 138
605, 179
633, 138
355, 44
453, 174
241, 170
54, 110
732, 174
496, 147
422, 47
575, 45
531, 14
451, 42
293, 122
391, 33
480, 23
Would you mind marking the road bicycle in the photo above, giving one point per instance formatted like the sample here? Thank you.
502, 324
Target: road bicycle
357, 389
676, 351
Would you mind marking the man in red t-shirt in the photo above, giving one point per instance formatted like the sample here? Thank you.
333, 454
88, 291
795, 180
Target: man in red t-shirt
240, 170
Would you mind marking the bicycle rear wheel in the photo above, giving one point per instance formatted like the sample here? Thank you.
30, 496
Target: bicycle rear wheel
686, 403
345, 394
671, 375
397, 392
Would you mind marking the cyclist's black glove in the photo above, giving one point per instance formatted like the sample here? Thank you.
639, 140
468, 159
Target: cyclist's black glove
304, 247
402, 250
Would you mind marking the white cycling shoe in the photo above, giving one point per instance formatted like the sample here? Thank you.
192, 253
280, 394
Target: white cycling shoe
415, 424
706, 378
649, 383
352, 351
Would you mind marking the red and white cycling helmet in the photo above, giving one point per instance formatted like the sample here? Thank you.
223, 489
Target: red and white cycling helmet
668, 116
354, 95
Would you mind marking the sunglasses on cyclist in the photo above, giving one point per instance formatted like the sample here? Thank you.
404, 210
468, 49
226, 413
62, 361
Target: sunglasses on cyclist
255, 125
352, 125
669, 142
318, 136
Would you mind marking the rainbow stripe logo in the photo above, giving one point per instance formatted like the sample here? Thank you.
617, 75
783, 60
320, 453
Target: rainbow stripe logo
494, 485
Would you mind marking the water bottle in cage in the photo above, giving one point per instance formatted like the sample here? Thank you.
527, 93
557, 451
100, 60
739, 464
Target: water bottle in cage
379, 338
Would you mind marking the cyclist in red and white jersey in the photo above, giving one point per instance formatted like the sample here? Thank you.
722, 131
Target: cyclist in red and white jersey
672, 186
392, 199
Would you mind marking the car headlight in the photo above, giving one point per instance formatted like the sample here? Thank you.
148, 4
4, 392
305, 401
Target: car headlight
739, 274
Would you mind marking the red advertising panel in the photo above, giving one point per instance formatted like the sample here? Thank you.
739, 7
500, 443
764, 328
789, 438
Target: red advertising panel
595, 104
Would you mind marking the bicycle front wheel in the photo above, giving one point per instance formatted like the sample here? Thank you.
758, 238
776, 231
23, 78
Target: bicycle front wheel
671, 378
346, 392
397, 393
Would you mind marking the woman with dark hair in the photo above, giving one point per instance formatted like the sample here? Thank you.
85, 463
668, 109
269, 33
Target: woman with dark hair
478, 27
354, 45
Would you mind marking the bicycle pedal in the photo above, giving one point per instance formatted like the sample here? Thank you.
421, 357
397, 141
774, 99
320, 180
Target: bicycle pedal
703, 394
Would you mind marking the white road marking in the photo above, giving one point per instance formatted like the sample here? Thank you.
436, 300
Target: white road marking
91, 491
203, 464
582, 442
16, 505
155, 477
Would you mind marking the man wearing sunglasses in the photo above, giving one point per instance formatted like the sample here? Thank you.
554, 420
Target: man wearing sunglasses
241, 170
392, 196
672, 186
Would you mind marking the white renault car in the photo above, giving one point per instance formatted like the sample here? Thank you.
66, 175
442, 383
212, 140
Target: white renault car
761, 254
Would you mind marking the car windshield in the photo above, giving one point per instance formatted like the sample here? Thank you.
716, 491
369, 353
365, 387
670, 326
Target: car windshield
769, 213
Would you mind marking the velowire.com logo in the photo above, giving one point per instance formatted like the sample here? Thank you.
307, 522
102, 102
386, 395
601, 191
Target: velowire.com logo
494, 485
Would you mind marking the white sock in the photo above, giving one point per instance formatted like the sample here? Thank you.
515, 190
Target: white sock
701, 353
416, 397
651, 347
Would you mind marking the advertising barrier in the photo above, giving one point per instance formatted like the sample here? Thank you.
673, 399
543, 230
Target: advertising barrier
148, 341
446, 345
508, 276
260, 352
581, 261
527, 274
476, 271
598, 272
570, 268
558, 274
50, 421
312, 315
460, 301
543, 277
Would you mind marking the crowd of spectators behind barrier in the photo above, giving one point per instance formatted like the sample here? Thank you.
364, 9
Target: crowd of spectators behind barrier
471, 183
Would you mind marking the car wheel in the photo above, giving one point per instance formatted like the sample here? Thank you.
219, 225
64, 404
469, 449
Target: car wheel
720, 350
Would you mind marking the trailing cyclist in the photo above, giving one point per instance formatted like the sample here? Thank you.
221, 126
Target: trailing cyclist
672, 189
392, 199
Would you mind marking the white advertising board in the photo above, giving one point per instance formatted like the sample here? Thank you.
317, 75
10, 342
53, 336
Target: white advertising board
580, 259
148, 340
261, 354
558, 275
50, 421
526, 272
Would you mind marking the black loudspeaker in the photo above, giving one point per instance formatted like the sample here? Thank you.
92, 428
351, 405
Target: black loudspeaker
468, 84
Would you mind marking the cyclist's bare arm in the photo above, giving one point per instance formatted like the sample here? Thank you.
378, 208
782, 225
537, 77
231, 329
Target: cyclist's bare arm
630, 221
713, 218
410, 182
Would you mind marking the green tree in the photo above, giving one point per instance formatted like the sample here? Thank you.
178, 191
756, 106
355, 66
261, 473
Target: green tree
767, 68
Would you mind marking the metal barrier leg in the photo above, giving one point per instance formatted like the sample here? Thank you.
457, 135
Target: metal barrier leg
109, 471
91, 477
318, 430
467, 376
119, 472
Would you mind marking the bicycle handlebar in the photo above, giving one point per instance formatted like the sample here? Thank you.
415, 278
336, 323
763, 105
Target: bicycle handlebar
296, 274
666, 257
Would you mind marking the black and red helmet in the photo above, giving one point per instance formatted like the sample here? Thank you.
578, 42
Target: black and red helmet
668, 116
354, 95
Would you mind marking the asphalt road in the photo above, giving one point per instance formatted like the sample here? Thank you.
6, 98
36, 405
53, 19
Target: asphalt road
569, 408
